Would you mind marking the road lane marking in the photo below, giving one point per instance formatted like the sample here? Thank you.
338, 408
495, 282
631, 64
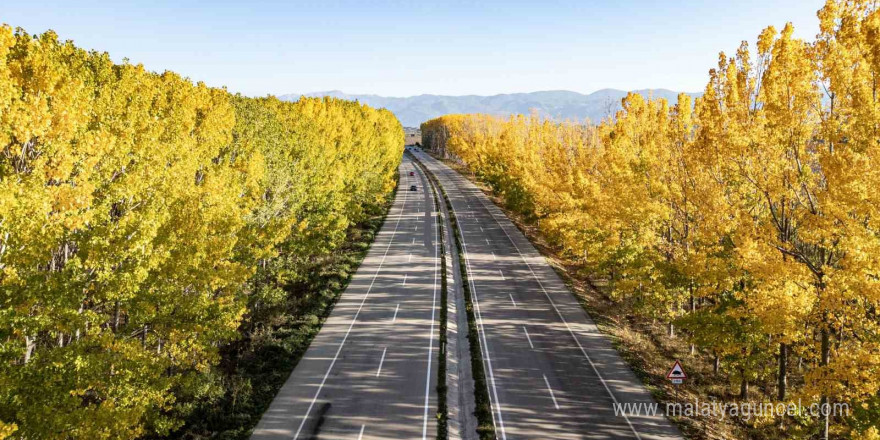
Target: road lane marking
485, 345
410, 258
396, 309
404, 280
381, 361
551, 392
481, 229
433, 310
511, 300
487, 242
528, 337
493, 256
353, 320
502, 274
361, 435
558, 313
414, 240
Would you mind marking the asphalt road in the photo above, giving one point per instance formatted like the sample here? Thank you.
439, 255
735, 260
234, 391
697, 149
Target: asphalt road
371, 372
551, 373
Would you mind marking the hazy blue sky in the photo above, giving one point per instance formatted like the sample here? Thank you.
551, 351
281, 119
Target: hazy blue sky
402, 48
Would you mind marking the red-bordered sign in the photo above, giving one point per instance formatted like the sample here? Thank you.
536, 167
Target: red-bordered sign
677, 372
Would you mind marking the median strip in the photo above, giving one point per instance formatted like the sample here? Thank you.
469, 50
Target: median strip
483, 407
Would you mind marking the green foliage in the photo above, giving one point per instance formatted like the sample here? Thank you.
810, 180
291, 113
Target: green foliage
147, 222
254, 368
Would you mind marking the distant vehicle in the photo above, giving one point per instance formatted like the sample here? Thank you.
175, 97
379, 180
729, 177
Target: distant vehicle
412, 173
413, 188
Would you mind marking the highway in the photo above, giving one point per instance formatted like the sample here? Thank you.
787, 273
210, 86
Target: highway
371, 372
551, 374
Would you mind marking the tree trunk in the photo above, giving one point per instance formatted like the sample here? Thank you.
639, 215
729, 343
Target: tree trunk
116, 317
671, 330
826, 411
29, 345
743, 385
783, 376
717, 364
693, 304
79, 312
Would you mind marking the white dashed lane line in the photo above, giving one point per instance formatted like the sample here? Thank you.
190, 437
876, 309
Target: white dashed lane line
528, 337
551, 392
381, 361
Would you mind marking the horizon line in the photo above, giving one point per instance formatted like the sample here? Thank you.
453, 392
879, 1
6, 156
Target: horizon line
325, 92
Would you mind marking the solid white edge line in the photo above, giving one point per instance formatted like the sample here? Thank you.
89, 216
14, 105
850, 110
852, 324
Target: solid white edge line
354, 319
433, 309
558, 313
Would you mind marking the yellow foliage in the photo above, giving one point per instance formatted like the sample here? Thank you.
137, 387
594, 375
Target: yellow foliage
7, 429
749, 217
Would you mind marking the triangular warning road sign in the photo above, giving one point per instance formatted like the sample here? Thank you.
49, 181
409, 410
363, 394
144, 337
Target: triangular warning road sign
676, 372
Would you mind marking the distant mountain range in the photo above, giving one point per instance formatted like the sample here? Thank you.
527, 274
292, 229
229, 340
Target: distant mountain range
556, 104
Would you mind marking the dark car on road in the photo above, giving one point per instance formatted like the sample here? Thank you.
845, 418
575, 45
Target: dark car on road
413, 188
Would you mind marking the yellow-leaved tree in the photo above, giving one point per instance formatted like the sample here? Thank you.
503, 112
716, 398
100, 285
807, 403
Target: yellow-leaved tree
747, 218
136, 213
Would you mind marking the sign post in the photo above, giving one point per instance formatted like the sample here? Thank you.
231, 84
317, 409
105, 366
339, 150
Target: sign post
676, 375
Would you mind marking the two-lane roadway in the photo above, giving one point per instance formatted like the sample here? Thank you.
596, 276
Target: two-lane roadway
371, 372
551, 374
